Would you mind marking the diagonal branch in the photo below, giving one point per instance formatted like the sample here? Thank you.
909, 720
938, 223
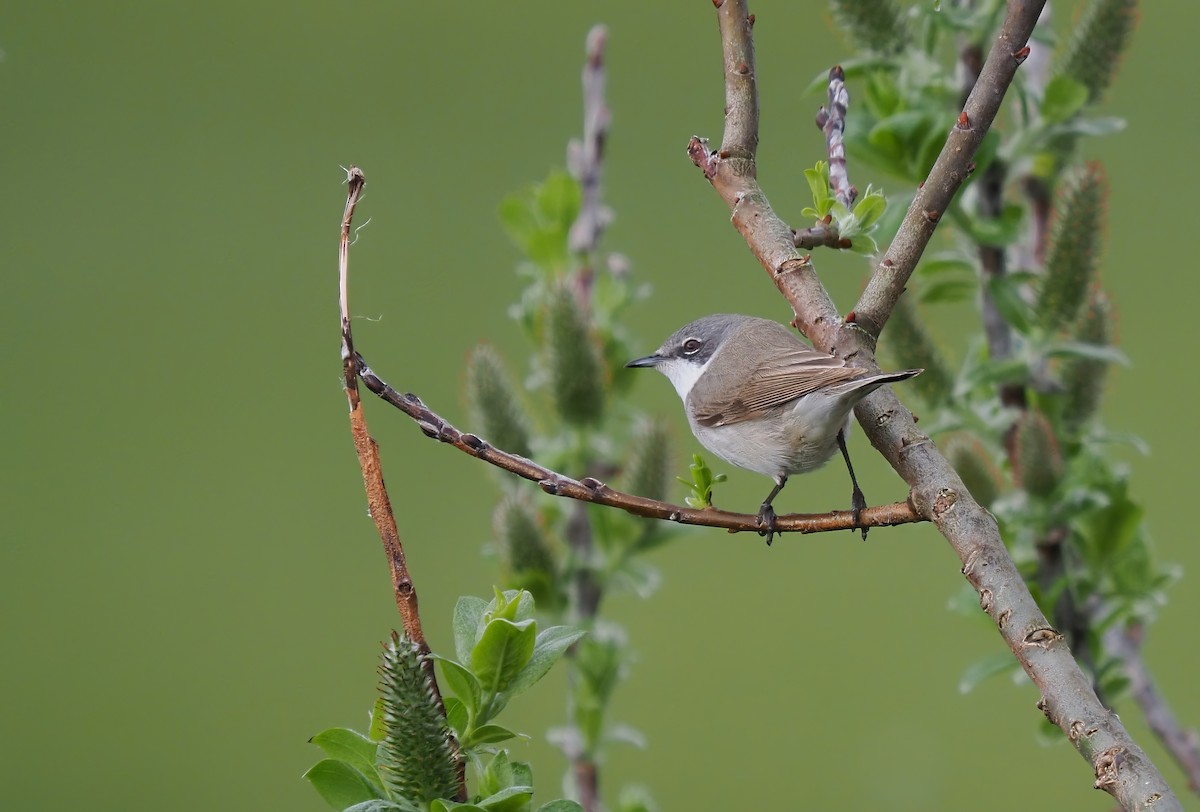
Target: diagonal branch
593, 490
379, 506
1120, 766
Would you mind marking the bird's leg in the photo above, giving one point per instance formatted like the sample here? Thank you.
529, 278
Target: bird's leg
858, 502
766, 513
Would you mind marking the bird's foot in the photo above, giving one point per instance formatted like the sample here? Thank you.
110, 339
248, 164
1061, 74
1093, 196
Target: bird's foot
858, 503
766, 520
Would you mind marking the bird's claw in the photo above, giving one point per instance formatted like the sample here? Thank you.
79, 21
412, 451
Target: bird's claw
858, 503
766, 520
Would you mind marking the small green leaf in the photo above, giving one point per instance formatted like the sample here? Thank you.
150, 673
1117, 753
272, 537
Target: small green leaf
467, 614
870, 208
551, 643
351, 747
378, 730
490, 734
380, 805
456, 714
497, 775
463, 683
945, 265
1064, 98
502, 652
1006, 295
947, 289
996, 231
442, 805
510, 799
511, 604
1092, 127
985, 667
522, 774
340, 784
560, 805
818, 184
1079, 349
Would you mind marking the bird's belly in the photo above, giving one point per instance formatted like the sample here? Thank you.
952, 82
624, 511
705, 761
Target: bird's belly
772, 448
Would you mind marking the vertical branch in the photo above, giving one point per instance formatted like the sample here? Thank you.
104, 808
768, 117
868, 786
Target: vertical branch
1120, 766
586, 160
378, 504
832, 121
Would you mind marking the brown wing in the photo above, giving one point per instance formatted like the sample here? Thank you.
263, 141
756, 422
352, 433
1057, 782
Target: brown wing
780, 377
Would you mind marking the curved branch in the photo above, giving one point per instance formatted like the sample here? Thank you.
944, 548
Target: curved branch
590, 489
379, 506
1121, 767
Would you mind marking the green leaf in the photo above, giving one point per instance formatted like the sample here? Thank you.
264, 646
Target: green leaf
1064, 98
539, 217
1079, 349
818, 184
456, 714
560, 805
551, 643
351, 747
502, 652
490, 734
467, 614
996, 231
948, 289
510, 799
380, 805
522, 774
378, 729
497, 775
1093, 127
510, 604
870, 208
945, 265
1006, 295
340, 784
442, 805
463, 683
985, 667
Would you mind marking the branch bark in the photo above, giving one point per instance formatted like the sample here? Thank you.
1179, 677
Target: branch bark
379, 506
1121, 767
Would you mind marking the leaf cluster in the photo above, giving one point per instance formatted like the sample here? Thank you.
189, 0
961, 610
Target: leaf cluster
405, 762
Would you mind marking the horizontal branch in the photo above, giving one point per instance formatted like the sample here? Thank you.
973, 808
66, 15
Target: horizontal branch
593, 490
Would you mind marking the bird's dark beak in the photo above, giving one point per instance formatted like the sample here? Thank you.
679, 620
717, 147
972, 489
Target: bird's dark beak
648, 361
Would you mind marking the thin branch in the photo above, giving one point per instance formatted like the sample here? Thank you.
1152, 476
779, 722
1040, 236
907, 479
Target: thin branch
593, 490
1183, 745
379, 506
1120, 766
586, 160
832, 122
825, 235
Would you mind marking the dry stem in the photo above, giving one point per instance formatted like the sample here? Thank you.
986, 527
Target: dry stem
379, 505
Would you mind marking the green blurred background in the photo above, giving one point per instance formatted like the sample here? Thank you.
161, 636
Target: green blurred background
191, 586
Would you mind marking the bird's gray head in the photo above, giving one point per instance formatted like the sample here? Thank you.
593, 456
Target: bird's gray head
685, 355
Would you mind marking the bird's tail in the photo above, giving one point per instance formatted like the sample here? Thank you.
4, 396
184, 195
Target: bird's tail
869, 383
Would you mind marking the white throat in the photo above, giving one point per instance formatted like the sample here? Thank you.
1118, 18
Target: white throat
682, 374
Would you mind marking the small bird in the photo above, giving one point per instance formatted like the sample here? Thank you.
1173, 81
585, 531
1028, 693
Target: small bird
761, 399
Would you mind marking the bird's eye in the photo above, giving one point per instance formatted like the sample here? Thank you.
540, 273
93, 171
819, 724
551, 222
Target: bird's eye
692, 346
